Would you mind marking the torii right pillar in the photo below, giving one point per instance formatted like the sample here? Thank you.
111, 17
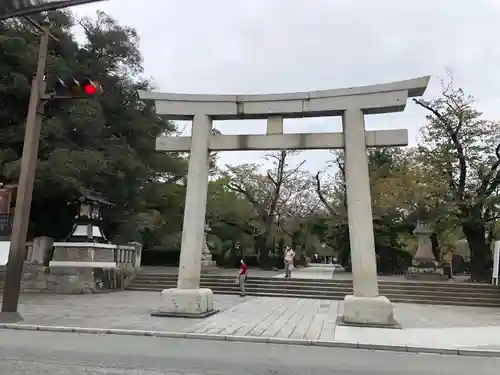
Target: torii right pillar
365, 306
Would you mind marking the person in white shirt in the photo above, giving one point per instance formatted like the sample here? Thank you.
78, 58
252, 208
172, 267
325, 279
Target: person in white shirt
289, 257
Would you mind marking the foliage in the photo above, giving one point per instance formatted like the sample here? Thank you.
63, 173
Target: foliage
392, 188
106, 144
462, 150
272, 195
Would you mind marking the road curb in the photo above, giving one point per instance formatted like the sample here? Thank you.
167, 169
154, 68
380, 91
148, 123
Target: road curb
254, 339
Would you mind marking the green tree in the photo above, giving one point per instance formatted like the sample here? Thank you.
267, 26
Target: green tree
106, 144
462, 149
391, 189
231, 220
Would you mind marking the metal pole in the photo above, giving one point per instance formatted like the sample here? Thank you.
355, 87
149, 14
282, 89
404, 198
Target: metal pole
17, 254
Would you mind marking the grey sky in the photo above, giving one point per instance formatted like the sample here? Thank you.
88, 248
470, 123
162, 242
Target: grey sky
266, 46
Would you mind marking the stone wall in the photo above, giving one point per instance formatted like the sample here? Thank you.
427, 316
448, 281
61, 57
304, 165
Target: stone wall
72, 280
84, 254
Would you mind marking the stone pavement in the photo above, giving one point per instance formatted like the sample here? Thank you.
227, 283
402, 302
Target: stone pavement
119, 310
168, 270
325, 272
446, 329
435, 327
316, 271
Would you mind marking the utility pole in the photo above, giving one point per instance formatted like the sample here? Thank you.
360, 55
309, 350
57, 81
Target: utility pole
17, 253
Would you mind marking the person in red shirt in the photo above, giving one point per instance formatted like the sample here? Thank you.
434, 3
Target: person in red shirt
242, 278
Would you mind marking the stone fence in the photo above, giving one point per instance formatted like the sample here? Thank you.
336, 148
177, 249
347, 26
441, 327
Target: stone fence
77, 268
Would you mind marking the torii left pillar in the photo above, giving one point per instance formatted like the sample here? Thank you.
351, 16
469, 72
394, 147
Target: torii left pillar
188, 299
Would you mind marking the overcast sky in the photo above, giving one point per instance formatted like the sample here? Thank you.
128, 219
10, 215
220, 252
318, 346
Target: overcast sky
269, 46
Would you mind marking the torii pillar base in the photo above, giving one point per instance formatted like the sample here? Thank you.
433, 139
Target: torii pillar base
368, 312
186, 303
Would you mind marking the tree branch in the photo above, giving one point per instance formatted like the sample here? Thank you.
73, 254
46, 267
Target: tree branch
322, 197
493, 177
460, 189
248, 230
277, 185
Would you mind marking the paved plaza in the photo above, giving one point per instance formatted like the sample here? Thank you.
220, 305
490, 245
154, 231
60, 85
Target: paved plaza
331, 272
426, 326
317, 271
313, 271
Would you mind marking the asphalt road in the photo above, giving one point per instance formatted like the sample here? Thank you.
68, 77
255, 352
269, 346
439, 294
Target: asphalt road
31, 352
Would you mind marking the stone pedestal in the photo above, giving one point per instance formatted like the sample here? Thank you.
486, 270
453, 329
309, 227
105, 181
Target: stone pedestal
85, 267
73, 280
186, 303
83, 254
368, 311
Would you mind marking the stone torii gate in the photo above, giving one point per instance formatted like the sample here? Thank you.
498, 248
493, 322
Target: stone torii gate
365, 306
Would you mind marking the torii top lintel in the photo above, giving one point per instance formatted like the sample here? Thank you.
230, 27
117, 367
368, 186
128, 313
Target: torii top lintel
374, 99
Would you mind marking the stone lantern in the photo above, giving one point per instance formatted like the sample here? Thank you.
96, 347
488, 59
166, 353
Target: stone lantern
424, 252
89, 218
206, 255
424, 265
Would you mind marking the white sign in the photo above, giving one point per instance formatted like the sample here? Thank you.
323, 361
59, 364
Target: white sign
496, 263
16, 8
4, 252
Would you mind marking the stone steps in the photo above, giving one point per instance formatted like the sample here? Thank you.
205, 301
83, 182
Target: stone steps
326, 289
405, 285
411, 284
340, 296
459, 294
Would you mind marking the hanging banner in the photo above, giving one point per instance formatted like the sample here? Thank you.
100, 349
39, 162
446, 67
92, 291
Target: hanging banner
17, 8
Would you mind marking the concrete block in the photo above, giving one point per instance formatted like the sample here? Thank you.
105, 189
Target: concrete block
273, 107
290, 341
183, 110
442, 351
275, 125
256, 339
382, 347
173, 335
186, 303
273, 97
336, 344
479, 353
368, 311
204, 336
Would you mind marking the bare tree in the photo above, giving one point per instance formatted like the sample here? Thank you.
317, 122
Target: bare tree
334, 198
268, 193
